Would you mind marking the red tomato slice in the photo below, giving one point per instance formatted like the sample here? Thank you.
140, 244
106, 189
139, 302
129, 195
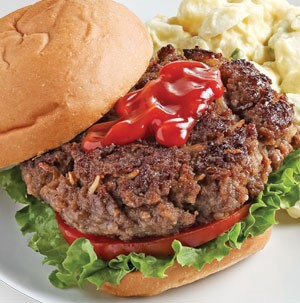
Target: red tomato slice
108, 248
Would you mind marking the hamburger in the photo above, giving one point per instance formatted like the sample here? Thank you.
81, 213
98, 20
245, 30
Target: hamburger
140, 214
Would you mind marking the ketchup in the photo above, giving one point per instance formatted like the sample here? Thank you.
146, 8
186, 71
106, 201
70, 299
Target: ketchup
167, 108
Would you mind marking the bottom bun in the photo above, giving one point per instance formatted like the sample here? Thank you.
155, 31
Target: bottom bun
135, 284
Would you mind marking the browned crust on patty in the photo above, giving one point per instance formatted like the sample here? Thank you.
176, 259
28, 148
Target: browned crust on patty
143, 189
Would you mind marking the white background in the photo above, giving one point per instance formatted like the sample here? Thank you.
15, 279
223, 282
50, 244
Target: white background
270, 276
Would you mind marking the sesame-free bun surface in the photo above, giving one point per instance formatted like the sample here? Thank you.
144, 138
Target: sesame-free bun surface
135, 284
63, 64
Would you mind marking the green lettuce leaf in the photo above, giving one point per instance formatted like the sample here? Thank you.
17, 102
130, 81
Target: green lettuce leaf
39, 220
11, 182
77, 264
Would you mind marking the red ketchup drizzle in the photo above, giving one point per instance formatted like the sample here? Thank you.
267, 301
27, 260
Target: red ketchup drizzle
167, 108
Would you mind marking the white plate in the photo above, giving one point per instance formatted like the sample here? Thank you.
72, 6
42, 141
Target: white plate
270, 276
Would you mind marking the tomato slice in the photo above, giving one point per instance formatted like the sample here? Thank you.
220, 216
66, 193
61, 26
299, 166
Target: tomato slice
108, 248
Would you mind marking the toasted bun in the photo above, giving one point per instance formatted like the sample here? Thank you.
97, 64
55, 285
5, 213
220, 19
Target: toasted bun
135, 284
63, 65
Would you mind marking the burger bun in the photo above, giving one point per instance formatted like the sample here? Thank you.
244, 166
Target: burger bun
63, 65
135, 284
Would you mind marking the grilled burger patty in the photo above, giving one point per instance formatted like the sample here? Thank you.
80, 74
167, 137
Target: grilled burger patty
144, 189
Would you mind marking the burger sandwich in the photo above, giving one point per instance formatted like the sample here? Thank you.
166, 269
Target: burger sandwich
138, 174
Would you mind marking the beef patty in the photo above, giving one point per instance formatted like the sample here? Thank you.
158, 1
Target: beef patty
144, 189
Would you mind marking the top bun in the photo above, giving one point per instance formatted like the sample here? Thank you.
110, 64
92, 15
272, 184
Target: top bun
63, 65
